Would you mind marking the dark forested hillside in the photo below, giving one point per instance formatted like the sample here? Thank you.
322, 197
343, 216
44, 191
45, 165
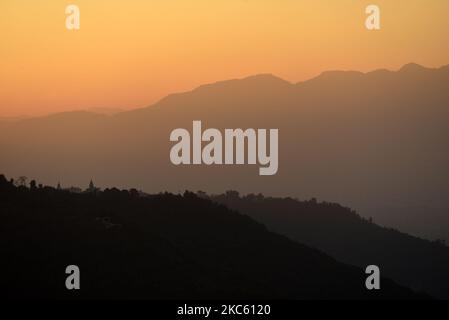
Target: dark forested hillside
342, 233
129, 245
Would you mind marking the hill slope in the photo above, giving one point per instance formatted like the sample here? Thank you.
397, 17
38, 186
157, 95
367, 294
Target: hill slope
340, 232
161, 246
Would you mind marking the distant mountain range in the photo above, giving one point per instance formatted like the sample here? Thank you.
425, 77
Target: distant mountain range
106, 111
165, 246
377, 142
13, 119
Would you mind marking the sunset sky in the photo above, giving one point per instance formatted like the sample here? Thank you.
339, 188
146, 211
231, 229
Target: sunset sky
129, 54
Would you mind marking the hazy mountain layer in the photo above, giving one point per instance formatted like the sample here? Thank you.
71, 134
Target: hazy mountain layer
377, 142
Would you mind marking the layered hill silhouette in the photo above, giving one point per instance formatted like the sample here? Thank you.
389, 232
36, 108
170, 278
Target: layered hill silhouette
346, 236
375, 141
162, 246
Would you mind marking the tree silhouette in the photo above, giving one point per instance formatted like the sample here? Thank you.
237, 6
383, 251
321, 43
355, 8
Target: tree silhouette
21, 181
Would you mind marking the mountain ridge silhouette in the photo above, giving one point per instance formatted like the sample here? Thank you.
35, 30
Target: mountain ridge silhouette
161, 246
381, 134
256, 77
350, 238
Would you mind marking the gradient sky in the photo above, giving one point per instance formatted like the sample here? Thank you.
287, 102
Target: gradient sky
130, 53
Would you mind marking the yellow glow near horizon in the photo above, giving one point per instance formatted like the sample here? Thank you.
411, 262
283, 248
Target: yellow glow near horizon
129, 54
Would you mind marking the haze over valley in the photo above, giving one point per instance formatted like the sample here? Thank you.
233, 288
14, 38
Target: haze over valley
376, 142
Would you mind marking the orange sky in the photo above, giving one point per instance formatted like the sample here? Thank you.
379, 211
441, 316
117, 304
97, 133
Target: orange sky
130, 53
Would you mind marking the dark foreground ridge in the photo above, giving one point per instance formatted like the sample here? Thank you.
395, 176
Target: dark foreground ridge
165, 246
340, 232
